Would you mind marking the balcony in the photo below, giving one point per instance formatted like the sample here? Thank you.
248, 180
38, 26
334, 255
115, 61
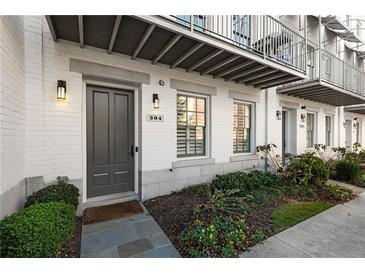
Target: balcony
359, 109
330, 81
252, 50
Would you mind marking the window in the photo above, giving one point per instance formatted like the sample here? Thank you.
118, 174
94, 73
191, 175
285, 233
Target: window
328, 130
310, 129
241, 127
191, 125
357, 132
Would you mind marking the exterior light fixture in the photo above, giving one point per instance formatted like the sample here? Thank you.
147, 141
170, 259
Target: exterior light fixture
156, 101
302, 117
61, 90
278, 114
344, 124
356, 125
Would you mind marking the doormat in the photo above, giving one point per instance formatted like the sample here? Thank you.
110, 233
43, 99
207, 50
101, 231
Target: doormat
111, 212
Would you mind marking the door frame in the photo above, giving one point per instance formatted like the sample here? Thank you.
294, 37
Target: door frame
135, 91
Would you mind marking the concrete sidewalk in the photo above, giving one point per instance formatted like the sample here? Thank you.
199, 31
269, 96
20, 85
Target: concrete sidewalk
336, 232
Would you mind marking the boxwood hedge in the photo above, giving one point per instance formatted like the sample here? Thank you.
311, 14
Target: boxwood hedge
61, 191
37, 231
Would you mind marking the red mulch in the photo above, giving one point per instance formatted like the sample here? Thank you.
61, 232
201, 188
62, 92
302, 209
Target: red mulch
71, 248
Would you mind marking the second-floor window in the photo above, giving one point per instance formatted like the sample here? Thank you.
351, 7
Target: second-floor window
328, 130
310, 130
242, 127
191, 125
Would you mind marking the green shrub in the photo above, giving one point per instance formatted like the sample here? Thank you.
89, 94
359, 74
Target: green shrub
245, 182
347, 170
37, 231
339, 193
62, 191
222, 237
238, 191
202, 190
306, 169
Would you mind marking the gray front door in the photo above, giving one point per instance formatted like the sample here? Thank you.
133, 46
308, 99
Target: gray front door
110, 146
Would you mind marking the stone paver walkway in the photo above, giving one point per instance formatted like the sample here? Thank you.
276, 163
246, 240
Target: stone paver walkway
336, 232
138, 236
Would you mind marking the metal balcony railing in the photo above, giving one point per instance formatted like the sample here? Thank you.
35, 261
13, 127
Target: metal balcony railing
328, 67
260, 34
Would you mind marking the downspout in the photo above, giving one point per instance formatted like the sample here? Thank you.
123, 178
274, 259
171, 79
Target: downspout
266, 124
319, 48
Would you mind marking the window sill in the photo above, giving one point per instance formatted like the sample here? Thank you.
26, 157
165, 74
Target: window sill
193, 162
244, 157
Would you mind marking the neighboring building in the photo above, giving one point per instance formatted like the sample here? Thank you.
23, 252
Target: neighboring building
155, 103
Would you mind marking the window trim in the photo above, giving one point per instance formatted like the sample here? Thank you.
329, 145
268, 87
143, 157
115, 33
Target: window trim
207, 126
252, 128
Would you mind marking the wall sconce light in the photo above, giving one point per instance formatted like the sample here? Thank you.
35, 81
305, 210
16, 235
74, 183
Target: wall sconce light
156, 101
302, 117
356, 125
344, 124
61, 90
278, 114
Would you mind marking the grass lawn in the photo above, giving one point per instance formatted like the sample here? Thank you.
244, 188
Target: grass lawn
287, 215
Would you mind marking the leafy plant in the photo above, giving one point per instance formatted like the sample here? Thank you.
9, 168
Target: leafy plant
272, 159
347, 170
339, 193
325, 154
237, 191
221, 237
61, 191
258, 236
340, 151
202, 190
307, 168
37, 231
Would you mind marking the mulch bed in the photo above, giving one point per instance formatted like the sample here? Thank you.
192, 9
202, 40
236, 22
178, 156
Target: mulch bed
71, 248
174, 213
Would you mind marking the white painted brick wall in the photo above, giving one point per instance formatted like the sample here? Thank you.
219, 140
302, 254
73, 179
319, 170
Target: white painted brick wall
222, 124
12, 124
54, 132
